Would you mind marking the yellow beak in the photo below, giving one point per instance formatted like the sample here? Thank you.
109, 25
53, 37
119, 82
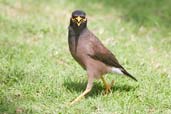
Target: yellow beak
78, 20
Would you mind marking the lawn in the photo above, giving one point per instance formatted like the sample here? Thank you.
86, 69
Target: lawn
39, 76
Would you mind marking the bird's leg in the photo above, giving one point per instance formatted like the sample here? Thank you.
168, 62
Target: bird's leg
107, 86
79, 97
88, 89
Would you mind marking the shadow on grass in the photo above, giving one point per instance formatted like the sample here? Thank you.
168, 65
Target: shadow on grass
98, 88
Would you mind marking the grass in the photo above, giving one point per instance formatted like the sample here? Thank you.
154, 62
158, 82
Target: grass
39, 76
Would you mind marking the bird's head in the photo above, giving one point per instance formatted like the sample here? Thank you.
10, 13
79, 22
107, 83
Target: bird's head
78, 19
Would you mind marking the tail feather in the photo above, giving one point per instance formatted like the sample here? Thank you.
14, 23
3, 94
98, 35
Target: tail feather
123, 72
129, 75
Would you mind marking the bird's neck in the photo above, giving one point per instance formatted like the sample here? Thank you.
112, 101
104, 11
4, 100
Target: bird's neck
78, 30
74, 34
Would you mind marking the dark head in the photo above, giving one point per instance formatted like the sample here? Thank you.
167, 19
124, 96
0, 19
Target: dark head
78, 19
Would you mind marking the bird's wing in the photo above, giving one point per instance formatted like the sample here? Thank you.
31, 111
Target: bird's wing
101, 53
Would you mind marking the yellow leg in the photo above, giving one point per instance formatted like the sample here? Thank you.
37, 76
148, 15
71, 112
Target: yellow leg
88, 89
107, 86
80, 96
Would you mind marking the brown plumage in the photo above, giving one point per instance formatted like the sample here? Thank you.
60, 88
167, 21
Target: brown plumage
90, 53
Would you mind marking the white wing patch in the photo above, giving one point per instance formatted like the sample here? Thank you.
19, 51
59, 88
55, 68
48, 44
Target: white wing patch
116, 70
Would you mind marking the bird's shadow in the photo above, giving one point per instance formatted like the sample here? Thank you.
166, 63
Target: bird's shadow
98, 87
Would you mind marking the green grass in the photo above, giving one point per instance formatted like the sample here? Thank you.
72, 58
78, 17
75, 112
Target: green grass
39, 76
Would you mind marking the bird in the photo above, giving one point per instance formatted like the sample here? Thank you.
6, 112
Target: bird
91, 54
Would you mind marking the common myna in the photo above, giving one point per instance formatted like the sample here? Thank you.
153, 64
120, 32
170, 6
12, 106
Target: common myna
90, 53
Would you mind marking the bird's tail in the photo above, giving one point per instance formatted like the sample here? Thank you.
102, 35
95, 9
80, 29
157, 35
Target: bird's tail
122, 71
129, 75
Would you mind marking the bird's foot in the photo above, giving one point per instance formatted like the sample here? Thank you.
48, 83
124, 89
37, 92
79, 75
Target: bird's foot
108, 87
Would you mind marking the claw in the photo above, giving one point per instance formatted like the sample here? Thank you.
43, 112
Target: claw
108, 87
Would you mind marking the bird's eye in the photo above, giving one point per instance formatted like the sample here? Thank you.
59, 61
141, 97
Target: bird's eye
82, 17
74, 17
